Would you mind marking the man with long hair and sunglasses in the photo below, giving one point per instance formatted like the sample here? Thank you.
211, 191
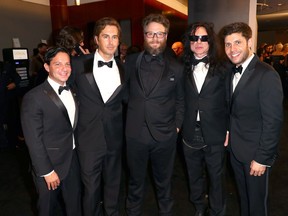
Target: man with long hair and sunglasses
154, 115
206, 117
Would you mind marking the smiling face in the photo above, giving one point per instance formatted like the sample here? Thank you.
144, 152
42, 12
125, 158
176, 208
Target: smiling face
156, 44
200, 48
108, 41
237, 48
59, 68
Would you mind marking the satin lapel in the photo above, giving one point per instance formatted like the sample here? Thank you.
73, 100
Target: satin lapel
138, 75
76, 108
122, 78
245, 77
192, 82
88, 65
54, 97
121, 71
208, 78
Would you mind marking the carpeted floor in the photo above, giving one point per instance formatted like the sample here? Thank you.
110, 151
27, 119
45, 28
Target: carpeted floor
18, 196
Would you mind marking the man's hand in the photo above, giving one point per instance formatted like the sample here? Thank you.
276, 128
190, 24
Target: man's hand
52, 181
257, 169
11, 86
226, 139
84, 51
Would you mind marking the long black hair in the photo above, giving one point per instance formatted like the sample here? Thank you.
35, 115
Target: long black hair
214, 55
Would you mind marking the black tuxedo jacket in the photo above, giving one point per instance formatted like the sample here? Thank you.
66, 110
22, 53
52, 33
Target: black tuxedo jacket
47, 130
162, 110
100, 125
256, 114
212, 103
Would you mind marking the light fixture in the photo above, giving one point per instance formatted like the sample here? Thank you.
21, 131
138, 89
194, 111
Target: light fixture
77, 2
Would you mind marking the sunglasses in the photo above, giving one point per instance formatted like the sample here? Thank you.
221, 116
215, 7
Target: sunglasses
194, 38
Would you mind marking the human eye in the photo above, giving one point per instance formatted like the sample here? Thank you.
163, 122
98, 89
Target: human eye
227, 45
105, 36
149, 34
160, 34
115, 37
237, 42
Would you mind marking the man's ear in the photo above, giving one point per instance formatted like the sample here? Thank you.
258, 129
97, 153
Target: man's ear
46, 66
96, 40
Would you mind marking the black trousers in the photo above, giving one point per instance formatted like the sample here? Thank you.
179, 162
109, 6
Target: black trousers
70, 189
101, 177
253, 190
200, 158
161, 155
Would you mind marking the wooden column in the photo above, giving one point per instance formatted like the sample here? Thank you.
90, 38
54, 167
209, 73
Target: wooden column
59, 14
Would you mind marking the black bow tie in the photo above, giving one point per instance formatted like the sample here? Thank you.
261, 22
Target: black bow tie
196, 61
61, 88
237, 69
101, 64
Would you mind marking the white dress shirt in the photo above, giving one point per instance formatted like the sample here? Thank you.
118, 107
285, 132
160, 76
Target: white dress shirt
68, 101
107, 79
199, 73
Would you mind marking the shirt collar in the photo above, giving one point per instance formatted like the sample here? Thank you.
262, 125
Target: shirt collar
54, 84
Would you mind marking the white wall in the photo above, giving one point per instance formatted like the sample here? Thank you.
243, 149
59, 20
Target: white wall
27, 21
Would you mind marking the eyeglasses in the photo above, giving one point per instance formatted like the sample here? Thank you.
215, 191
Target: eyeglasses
194, 38
158, 34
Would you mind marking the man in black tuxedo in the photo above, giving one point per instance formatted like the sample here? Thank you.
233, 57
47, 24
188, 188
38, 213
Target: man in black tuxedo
256, 116
49, 117
154, 115
206, 117
101, 87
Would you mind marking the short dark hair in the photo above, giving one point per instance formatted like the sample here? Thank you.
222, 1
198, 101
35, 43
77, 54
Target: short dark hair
103, 22
236, 27
158, 18
52, 52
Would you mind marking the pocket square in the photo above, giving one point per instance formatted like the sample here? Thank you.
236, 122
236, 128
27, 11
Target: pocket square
172, 79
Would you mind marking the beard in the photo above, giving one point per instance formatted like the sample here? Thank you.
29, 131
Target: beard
155, 51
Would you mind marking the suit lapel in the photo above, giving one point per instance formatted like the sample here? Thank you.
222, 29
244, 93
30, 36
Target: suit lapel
122, 80
48, 90
90, 77
138, 75
208, 78
88, 68
76, 108
245, 77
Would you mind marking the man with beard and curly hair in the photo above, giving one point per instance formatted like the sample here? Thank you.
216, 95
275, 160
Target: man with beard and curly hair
154, 115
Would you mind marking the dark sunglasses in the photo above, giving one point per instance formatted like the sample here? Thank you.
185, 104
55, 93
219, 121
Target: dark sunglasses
194, 38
